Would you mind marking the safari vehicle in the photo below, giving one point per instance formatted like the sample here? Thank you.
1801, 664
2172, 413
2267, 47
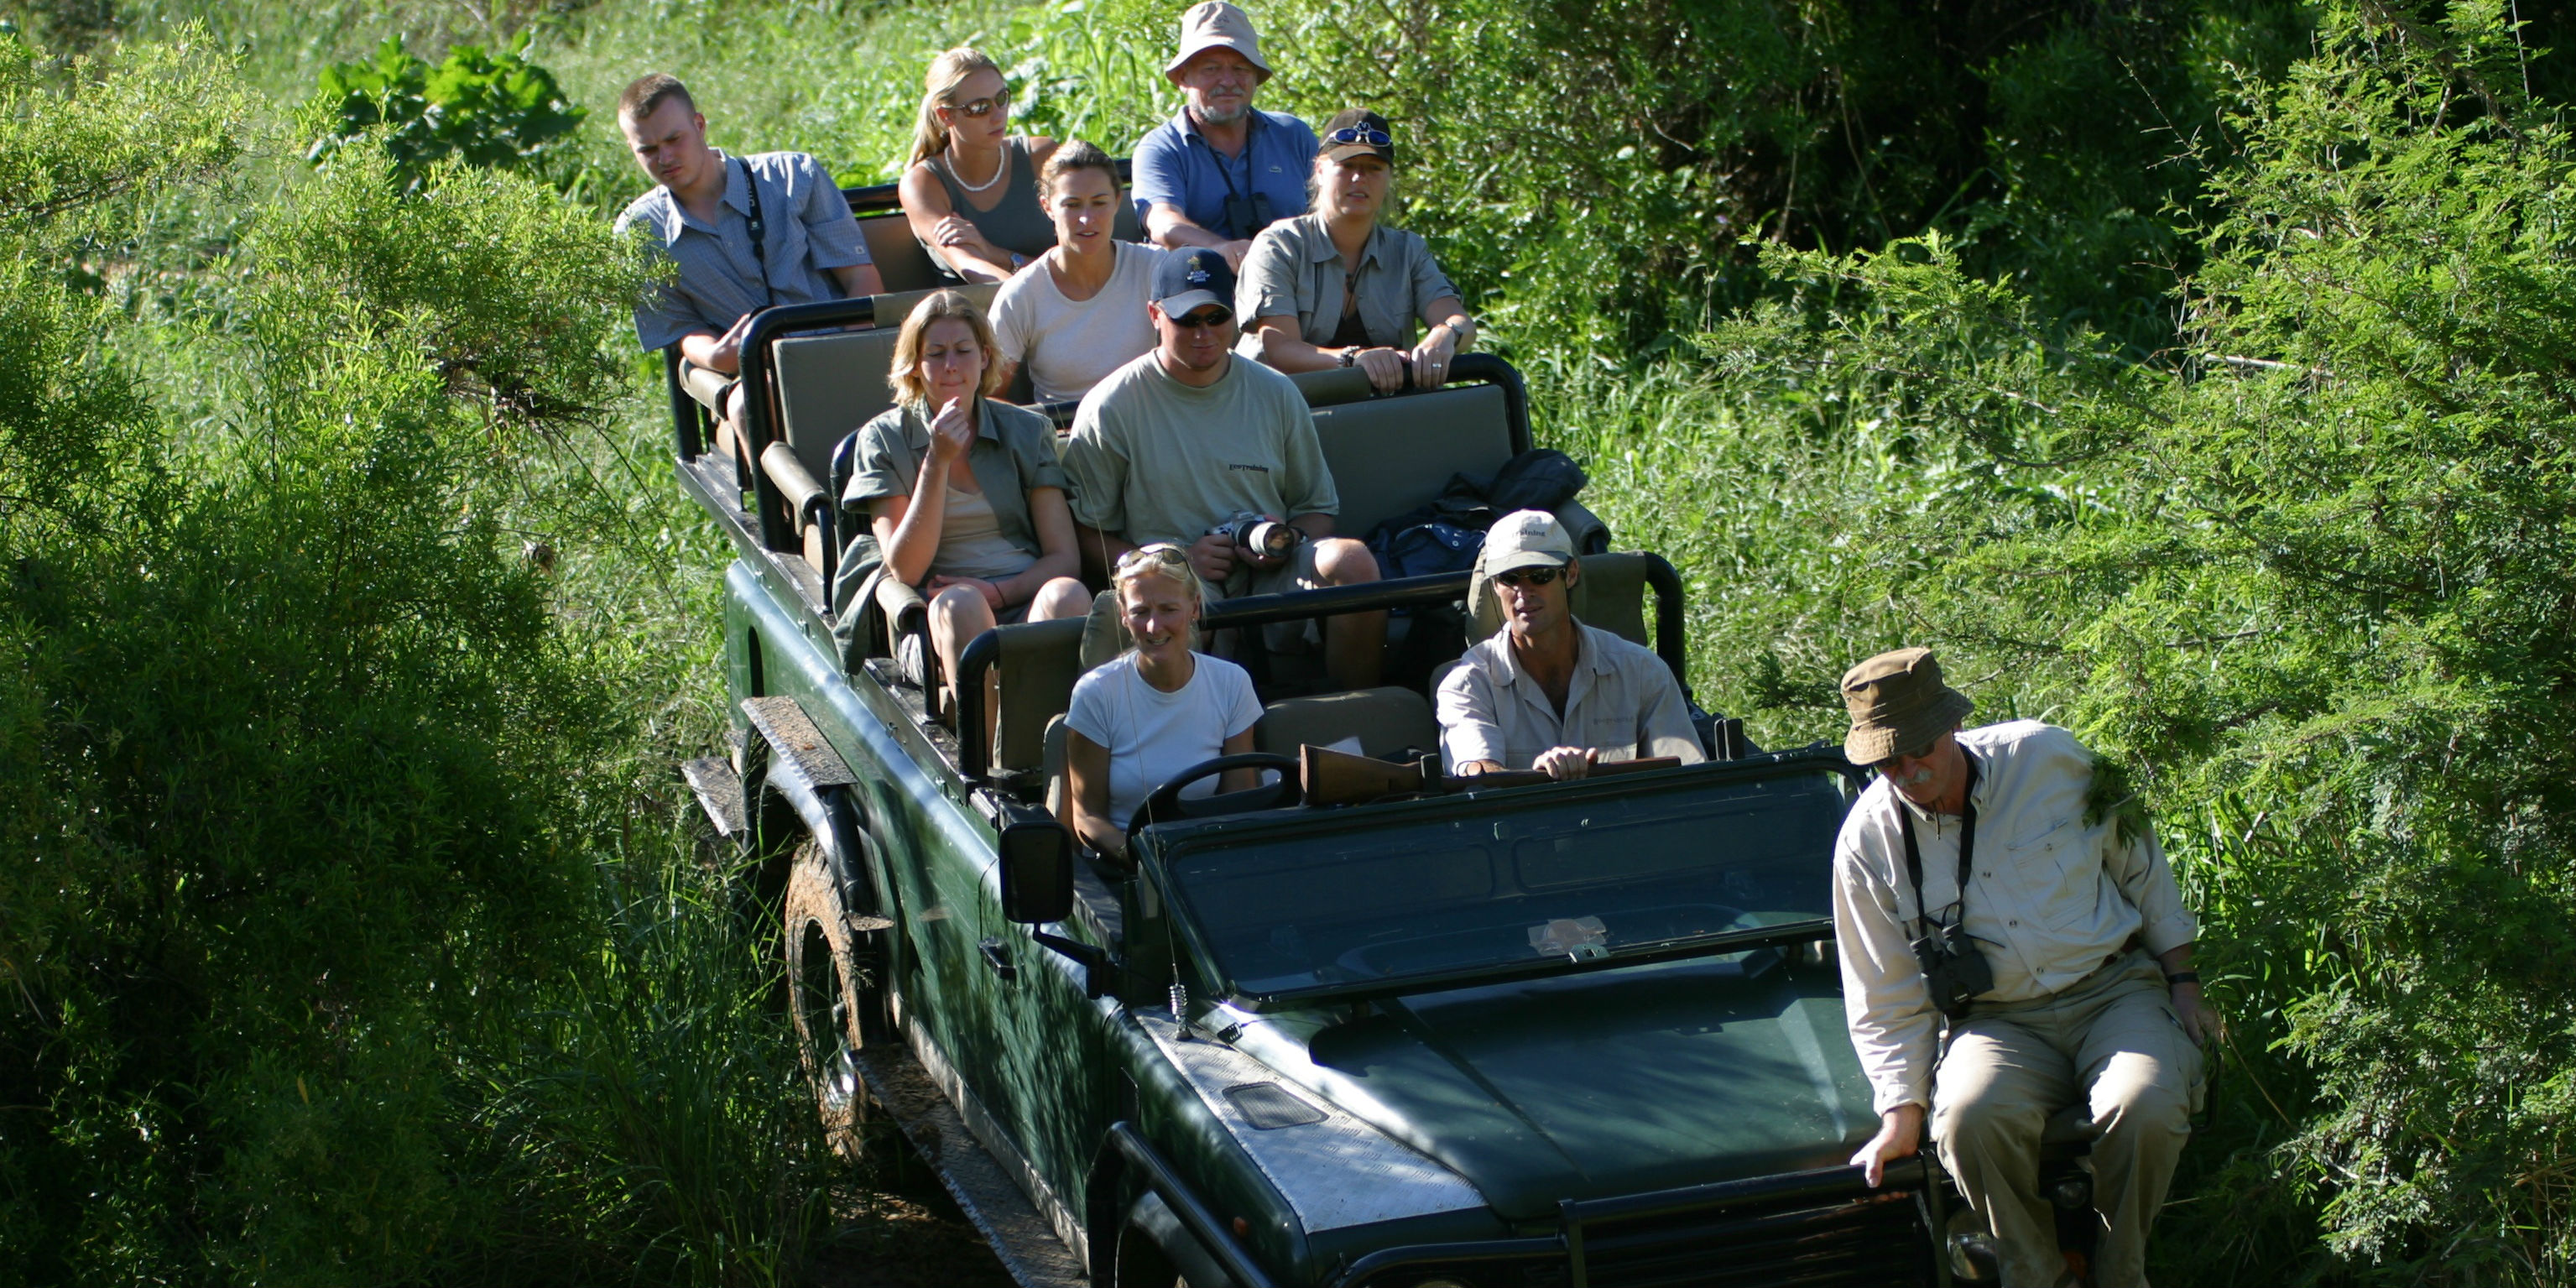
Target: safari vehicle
1482, 1034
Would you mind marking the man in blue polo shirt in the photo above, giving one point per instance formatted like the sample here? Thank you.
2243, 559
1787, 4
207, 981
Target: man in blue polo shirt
1222, 170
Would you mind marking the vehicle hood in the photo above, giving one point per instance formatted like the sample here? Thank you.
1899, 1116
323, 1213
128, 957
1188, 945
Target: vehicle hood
1587, 1086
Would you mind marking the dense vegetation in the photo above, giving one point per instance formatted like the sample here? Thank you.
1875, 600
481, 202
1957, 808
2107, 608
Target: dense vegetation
2191, 374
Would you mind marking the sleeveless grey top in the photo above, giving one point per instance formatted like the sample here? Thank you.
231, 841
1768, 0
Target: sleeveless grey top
1018, 222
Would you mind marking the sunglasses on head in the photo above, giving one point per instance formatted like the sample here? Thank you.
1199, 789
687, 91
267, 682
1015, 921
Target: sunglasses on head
1367, 134
982, 107
1159, 552
1207, 317
1527, 576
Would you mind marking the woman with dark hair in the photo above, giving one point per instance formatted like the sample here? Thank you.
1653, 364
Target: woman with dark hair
1078, 312
964, 493
970, 191
1337, 287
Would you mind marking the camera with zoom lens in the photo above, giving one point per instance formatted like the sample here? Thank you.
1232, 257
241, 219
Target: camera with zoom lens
1953, 969
1260, 537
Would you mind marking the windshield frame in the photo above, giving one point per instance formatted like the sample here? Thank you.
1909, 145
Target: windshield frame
1158, 846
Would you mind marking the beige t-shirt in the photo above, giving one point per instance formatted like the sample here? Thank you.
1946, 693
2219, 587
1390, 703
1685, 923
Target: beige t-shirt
1153, 459
1070, 345
971, 543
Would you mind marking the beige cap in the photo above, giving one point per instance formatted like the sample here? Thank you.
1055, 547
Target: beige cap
1524, 539
1898, 703
1215, 24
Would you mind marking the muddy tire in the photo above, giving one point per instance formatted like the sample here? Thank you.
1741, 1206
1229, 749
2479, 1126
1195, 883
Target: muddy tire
836, 991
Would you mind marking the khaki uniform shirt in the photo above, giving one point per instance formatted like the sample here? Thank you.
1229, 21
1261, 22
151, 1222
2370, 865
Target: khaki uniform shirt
2051, 899
1622, 702
1294, 270
1153, 459
1012, 455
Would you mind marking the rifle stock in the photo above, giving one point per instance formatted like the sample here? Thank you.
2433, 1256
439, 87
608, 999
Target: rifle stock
1339, 778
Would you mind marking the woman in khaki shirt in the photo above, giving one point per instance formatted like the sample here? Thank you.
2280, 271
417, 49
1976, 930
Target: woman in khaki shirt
964, 494
1338, 287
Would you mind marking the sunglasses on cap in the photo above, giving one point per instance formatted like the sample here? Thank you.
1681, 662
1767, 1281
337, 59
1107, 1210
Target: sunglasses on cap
1526, 577
982, 107
1364, 134
1206, 317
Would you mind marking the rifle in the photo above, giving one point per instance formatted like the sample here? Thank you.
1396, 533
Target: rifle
1339, 778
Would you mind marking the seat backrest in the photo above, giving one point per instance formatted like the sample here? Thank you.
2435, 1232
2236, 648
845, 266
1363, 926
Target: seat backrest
1390, 455
1386, 723
1611, 595
833, 383
1038, 664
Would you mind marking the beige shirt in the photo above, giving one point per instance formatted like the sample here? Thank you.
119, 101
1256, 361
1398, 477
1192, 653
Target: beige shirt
1294, 270
2052, 898
1622, 702
1153, 459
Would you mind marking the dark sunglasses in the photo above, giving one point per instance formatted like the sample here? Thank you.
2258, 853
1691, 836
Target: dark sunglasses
1368, 134
982, 107
1527, 577
1210, 317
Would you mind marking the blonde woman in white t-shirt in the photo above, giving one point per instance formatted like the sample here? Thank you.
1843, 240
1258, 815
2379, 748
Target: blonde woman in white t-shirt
1159, 708
1077, 312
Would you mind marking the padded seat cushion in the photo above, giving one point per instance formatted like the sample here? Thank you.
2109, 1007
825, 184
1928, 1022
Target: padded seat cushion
830, 384
1389, 723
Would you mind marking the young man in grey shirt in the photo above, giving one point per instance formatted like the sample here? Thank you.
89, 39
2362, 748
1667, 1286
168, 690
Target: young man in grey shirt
1181, 441
702, 215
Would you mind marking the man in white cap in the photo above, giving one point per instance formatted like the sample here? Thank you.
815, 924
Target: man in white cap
1977, 882
1222, 170
1548, 692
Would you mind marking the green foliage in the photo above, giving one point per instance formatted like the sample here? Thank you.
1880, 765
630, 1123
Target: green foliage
481, 108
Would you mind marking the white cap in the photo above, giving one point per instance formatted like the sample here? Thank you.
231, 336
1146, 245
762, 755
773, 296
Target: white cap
1215, 24
1524, 539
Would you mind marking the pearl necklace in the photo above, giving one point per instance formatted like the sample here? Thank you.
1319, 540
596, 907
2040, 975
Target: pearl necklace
1001, 166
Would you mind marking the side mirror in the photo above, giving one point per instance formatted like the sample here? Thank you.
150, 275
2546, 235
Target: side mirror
1037, 871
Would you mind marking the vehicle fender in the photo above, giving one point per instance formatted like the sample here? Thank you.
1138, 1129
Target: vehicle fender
1155, 1219
818, 787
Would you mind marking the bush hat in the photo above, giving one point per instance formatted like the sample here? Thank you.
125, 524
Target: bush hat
1899, 704
1347, 135
1216, 25
1524, 539
1190, 280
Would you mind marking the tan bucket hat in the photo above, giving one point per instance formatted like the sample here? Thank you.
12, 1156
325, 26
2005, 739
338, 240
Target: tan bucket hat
1215, 24
1898, 704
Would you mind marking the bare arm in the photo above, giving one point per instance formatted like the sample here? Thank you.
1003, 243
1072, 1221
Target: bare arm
1005, 370
1086, 768
937, 223
1173, 230
1056, 556
859, 281
1238, 780
1315, 526
717, 352
2200, 1021
1100, 551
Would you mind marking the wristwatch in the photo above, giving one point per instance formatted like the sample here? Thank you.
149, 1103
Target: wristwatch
1351, 356
2183, 977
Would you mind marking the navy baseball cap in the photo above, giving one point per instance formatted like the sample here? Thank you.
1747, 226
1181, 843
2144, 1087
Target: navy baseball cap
1186, 281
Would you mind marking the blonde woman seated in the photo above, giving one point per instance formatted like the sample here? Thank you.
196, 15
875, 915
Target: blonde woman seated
1338, 287
964, 493
1160, 708
971, 190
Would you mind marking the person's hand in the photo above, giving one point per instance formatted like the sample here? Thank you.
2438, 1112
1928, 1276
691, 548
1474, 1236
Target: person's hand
1234, 251
1431, 357
2201, 1022
992, 594
1900, 1134
1213, 556
727, 355
957, 230
1263, 559
1564, 762
1385, 368
952, 431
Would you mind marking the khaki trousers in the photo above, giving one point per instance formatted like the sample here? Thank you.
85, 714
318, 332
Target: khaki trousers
2111, 1042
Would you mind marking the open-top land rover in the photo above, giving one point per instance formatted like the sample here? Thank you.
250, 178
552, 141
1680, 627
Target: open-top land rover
1581, 1033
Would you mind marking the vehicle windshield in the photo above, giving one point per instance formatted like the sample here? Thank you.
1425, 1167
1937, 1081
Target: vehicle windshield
1467, 890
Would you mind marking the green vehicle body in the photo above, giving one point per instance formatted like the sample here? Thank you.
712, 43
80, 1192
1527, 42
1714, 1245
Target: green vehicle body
1672, 1111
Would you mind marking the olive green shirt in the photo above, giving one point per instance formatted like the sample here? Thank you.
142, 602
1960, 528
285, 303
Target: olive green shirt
1294, 270
1153, 459
1014, 452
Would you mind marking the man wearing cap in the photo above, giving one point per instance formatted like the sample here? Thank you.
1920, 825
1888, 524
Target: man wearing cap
1178, 443
1219, 172
2086, 995
744, 233
1548, 692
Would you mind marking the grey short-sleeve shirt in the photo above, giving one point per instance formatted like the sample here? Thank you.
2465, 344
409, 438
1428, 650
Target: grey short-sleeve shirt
1294, 270
1153, 459
808, 231
1014, 454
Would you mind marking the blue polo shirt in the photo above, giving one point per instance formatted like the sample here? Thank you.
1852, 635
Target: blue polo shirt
1175, 166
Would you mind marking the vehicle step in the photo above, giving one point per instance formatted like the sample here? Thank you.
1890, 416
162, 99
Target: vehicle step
719, 792
1020, 1236
791, 734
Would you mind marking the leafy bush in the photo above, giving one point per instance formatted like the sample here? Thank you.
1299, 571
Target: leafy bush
482, 108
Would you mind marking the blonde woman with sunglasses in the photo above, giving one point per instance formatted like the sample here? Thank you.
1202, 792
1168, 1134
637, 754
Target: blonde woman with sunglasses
1159, 708
971, 189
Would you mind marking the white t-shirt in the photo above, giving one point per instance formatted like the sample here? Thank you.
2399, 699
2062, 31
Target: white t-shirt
1069, 346
1152, 735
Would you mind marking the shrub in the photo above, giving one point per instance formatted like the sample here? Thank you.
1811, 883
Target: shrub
484, 109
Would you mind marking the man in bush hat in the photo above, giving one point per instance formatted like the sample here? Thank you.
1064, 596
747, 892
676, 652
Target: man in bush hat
1978, 883
1222, 170
1548, 692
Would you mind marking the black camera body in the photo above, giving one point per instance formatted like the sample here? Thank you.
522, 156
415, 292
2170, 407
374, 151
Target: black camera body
1953, 969
1260, 537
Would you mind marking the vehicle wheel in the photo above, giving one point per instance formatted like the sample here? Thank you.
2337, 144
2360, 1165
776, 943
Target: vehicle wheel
836, 990
1141, 1263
